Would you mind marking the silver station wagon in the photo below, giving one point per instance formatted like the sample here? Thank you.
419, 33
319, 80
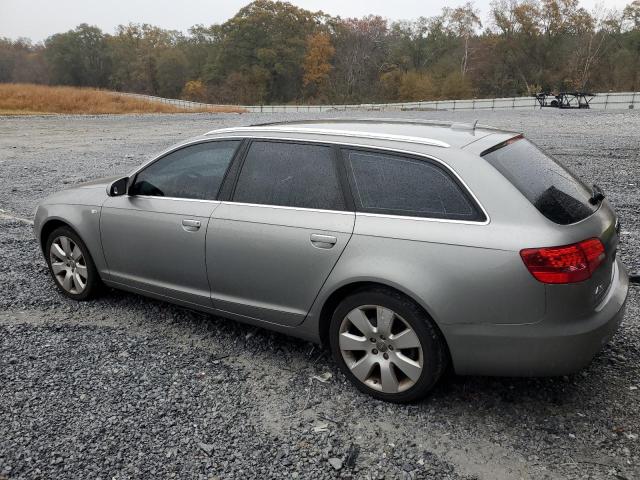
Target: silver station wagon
405, 246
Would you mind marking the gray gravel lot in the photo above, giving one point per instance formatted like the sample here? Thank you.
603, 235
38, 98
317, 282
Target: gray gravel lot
127, 387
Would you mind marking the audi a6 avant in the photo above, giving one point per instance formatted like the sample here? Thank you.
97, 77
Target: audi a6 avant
405, 246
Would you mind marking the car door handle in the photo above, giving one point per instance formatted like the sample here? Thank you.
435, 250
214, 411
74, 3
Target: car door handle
190, 225
323, 241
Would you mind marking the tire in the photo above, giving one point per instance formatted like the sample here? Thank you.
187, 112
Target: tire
65, 263
385, 366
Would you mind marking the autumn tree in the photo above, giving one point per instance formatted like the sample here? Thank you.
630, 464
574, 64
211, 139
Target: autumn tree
195, 91
317, 64
415, 86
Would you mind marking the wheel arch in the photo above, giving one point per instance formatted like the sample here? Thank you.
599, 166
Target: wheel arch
340, 293
81, 220
49, 226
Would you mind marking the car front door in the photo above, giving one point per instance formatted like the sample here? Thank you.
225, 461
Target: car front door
154, 237
271, 247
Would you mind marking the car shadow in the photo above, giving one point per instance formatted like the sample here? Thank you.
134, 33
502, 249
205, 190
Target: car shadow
536, 392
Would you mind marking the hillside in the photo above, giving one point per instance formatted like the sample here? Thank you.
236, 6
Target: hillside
25, 99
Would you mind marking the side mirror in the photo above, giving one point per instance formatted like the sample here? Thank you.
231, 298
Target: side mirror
117, 188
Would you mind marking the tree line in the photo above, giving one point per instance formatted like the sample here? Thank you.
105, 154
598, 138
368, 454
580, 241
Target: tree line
275, 52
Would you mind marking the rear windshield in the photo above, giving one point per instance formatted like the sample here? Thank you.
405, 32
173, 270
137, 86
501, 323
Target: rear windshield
550, 187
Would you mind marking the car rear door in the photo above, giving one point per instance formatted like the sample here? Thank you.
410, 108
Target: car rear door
154, 237
272, 245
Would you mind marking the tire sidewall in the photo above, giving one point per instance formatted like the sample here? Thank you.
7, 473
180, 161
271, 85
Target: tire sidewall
430, 339
92, 273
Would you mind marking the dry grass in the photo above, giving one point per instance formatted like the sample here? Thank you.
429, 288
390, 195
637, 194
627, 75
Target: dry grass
28, 99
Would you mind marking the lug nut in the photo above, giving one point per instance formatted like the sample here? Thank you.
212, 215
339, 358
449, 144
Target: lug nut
390, 347
381, 337
373, 340
374, 351
386, 356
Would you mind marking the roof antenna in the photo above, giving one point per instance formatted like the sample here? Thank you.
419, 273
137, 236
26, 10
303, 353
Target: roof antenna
465, 126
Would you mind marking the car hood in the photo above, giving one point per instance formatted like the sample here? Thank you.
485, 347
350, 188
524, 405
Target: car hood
98, 182
92, 193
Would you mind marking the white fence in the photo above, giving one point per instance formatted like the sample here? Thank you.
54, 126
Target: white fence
601, 101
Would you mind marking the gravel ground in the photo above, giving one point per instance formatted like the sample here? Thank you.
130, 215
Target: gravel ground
127, 387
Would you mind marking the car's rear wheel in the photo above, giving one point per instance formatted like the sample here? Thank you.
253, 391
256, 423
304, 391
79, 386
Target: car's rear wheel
387, 345
71, 264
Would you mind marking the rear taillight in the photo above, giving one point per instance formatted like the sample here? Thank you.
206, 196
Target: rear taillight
566, 264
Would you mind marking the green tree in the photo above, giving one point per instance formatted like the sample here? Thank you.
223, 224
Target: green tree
171, 72
78, 57
266, 37
361, 51
135, 51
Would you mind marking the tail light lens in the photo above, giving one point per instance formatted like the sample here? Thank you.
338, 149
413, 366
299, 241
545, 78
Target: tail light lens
566, 264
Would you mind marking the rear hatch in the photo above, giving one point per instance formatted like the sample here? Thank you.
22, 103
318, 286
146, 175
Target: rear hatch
580, 212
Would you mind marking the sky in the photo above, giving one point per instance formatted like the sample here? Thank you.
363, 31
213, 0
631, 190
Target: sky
37, 19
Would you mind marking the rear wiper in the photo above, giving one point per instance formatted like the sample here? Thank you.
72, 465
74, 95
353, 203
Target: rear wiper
597, 195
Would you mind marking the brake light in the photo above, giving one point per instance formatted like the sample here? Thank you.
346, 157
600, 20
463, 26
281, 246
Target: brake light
566, 264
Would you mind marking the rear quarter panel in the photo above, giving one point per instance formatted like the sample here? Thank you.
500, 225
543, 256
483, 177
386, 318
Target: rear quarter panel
445, 268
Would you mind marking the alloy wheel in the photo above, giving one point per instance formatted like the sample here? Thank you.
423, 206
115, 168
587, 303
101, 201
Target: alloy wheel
68, 265
381, 349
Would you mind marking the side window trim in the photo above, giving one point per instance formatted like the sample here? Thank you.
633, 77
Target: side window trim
347, 192
228, 185
132, 180
338, 165
482, 216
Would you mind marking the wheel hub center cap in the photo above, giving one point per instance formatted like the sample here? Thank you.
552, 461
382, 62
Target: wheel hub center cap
381, 345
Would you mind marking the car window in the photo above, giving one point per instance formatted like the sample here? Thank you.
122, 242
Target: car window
194, 172
290, 174
399, 185
550, 187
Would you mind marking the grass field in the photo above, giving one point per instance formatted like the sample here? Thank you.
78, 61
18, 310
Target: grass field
29, 99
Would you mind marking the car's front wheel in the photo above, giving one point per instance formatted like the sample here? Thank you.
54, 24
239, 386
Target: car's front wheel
387, 345
71, 264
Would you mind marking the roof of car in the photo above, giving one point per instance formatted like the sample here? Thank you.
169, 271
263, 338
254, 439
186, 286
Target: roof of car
437, 134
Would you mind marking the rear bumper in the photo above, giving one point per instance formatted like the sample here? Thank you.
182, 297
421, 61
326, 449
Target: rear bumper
541, 349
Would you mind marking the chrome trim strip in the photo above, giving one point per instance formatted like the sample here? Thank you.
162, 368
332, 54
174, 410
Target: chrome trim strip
345, 144
152, 197
427, 219
337, 133
283, 207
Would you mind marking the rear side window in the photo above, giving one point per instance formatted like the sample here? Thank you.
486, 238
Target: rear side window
194, 172
550, 187
291, 175
398, 185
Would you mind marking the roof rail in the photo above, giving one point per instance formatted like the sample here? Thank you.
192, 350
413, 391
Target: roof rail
339, 133
410, 121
